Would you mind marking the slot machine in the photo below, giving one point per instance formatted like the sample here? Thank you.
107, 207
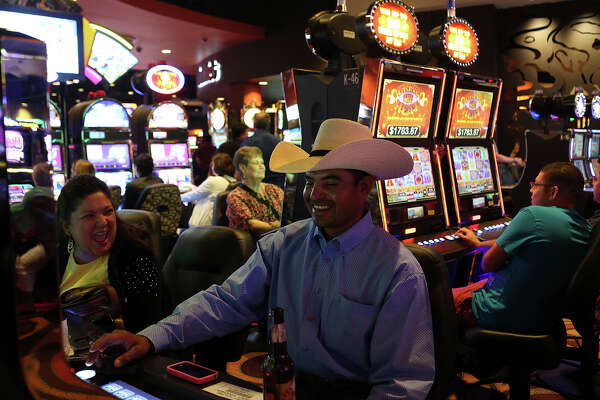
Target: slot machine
407, 108
583, 143
161, 130
592, 153
471, 170
100, 134
56, 149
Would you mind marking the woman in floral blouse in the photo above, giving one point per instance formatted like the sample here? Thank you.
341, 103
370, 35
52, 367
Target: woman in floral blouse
253, 206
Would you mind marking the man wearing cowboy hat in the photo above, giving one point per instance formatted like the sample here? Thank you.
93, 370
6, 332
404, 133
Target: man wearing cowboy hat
357, 308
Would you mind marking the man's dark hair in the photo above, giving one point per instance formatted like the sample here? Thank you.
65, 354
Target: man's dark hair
262, 121
237, 129
358, 175
144, 164
223, 164
42, 174
567, 177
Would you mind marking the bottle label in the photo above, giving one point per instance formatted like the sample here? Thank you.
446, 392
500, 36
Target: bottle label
283, 391
279, 334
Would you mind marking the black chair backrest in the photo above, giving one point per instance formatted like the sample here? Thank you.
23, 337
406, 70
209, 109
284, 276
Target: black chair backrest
443, 315
116, 198
219, 215
584, 288
165, 200
205, 255
150, 222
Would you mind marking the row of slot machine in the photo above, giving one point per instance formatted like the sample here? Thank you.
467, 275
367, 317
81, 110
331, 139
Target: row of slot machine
584, 146
102, 131
445, 120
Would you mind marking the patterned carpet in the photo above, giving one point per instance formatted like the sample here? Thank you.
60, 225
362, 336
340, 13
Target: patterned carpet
249, 368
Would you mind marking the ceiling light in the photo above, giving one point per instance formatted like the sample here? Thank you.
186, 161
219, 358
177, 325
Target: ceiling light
80, 90
75, 80
166, 51
263, 83
56, 83
130, 93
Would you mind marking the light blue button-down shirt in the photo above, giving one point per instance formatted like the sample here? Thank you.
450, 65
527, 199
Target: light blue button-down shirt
356, 307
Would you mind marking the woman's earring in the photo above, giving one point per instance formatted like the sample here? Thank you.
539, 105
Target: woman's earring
70, 245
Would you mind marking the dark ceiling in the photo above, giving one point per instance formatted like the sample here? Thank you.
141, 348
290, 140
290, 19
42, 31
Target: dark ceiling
266, 13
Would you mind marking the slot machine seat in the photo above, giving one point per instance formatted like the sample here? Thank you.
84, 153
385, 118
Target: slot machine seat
443, 315
582, 307
219, 211
163, 199
116, 198
149, 222
202, 256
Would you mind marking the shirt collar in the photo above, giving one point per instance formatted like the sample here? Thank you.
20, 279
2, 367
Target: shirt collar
347, 240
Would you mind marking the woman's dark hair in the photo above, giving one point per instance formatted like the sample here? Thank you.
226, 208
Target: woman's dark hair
223, 164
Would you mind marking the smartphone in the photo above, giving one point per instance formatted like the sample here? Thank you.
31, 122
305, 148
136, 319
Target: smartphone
192, 372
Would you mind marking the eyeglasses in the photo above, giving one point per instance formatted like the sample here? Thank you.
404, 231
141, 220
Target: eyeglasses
532, 184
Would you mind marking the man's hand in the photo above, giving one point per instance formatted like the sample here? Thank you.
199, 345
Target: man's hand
137, 346
469, 237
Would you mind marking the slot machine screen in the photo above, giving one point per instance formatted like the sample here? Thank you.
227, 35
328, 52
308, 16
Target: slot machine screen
416, 186
594, 146
108, 156
168, 115
17, 144
471, 114
106, 114
176, 176
472, 170
17, 191
169, 154
293, 136
56, 157
116, 178
58, 181
405, 109
579, 164
110, 58
577, 145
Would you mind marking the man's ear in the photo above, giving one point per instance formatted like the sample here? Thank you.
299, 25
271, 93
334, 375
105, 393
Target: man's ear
554, 191
366, 184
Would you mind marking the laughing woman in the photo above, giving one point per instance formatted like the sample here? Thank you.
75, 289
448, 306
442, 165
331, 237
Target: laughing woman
96, 248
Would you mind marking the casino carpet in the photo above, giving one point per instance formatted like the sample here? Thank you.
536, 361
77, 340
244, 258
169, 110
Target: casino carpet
248, 368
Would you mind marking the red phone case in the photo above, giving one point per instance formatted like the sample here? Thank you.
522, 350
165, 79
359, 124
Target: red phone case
190, 378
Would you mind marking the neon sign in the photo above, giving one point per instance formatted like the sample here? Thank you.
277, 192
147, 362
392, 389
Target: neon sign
580, 105
461, 43
210, 74
596, 107
165, 79
15, 146
393, 25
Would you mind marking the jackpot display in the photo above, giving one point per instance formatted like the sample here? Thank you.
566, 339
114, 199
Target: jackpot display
16, 149
416, 186
471, 114
405, 109
472, 170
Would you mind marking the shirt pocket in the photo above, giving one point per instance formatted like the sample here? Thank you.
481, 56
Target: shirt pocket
346, 329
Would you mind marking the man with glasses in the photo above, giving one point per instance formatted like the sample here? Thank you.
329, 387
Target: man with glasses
531, 263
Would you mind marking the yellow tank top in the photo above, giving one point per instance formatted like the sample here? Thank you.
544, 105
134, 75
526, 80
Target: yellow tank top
94, 273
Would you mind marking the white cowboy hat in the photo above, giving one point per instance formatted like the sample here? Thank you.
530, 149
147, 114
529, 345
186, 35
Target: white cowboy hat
344, 144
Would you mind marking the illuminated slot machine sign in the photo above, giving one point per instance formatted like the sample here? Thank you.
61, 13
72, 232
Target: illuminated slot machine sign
168, 116
406, 112
461, 43
16, 192
393, 26
102, 116
471, 114
593, 152
17, 141
171, 163
56, 157
473, 172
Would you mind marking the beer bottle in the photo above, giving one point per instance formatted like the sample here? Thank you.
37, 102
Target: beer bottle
278, 368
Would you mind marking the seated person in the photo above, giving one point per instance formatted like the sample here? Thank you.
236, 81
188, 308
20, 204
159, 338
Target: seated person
144, 168
96, 249
532, 261
253, 206
35, 242
357, 308
206, 194
83, 167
